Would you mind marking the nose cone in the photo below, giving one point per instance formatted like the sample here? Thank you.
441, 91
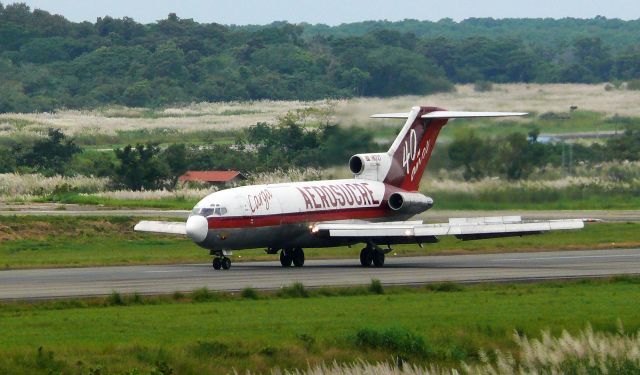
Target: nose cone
197, 228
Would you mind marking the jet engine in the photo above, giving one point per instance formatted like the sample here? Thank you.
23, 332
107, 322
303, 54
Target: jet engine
372, 166
410, 203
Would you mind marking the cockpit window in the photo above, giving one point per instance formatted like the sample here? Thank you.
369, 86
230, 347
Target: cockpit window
215, 209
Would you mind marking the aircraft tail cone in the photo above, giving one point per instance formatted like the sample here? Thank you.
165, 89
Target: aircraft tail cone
197, 228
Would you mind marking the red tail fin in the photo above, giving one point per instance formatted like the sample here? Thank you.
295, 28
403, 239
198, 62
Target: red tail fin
412, 148
410, 152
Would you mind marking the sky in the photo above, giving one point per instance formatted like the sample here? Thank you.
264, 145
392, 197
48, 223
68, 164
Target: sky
333, 12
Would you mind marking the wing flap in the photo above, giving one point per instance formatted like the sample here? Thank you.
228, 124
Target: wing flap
463, 228
165, 227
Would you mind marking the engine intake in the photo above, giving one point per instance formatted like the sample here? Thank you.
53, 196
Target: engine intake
412, 203
370, 166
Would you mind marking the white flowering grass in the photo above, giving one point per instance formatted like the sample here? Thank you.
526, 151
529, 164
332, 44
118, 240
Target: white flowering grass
587, 352
28, 185
237, 115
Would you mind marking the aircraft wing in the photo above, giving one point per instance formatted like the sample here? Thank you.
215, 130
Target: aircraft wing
166, 227
462, 228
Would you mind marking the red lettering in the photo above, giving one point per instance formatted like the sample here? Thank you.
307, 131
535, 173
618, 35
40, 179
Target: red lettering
373, 200
340, 198
363, 193
250, 205
322, 196
331, 197
347, 194
358, 199
307, 201
313, 197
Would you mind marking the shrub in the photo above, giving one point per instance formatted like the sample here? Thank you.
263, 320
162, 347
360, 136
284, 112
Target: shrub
445, 287
307, 340
295, 290
397, 340
177, 295
206, 349
115, 299
45, 360
137, 298
376, 287
201, 295
249, 293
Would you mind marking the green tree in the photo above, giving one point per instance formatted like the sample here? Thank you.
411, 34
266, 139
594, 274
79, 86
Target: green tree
175, 157
472, 153
140, 167
137, 94
52, 154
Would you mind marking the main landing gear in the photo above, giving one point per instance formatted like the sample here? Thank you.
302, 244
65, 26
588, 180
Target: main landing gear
371, 255
292, 256
221, 262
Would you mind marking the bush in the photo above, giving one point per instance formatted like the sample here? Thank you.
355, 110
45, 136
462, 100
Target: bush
115, 299
445, 287
295, 290
376, 287
307, 340
249, 293
177, 295
399, 341
201, 295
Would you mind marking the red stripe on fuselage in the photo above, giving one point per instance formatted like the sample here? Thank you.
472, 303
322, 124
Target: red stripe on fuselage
297, 217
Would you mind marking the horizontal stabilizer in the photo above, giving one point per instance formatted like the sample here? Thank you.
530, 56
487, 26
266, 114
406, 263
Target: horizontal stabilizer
167, 227
390, 115
462, 114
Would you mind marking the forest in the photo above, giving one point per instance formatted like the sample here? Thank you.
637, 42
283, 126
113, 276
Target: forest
48, 62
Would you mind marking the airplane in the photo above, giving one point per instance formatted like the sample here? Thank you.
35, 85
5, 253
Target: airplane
373, 208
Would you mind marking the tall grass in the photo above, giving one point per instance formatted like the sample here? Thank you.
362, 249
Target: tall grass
588, 352
13, 185
223, 116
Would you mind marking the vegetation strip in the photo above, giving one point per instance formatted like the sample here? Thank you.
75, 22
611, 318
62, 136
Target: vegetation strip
203, 331
73, 241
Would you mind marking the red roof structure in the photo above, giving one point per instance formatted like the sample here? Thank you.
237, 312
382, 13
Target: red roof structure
210, 176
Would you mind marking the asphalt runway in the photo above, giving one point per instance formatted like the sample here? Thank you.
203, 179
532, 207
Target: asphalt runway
74, 282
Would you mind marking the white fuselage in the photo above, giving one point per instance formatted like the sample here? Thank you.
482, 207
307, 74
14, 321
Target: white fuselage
280, 215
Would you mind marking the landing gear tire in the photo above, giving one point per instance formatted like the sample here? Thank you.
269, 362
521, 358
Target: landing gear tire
217, 263
366, 257
286, 258
298, 257
226, 263
378, 258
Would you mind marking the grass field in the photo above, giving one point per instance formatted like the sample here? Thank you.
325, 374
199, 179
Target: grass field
36, 242
215, 333
216, 122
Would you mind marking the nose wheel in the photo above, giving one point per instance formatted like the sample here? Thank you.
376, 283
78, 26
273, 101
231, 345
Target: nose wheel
221, 263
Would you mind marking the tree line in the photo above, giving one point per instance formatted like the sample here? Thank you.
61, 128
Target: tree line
260, 148
48, 62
